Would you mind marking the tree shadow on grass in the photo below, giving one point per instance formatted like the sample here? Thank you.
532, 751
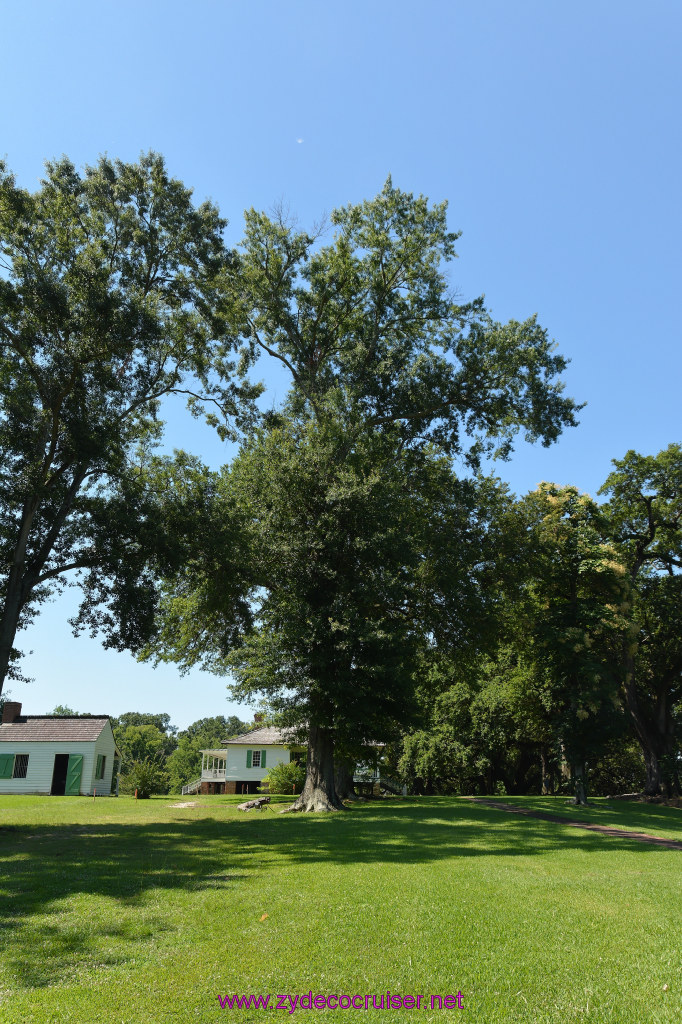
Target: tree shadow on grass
42, 866
626, 814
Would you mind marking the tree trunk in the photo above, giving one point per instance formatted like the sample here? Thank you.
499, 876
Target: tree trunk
319, 791
543, 767
578, 773
343, 779
644, 734
8, 630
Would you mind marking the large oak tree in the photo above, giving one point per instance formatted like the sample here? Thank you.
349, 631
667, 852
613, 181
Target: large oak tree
365, 544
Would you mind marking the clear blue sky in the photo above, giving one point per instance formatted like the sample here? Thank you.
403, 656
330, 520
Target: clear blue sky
552, 129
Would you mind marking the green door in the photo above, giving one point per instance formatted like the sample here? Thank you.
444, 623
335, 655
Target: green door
73, 774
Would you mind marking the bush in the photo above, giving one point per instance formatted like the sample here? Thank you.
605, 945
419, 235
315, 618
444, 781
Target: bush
282, 777
146, 776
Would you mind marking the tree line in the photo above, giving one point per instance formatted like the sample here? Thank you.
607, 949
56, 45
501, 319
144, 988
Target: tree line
352, 566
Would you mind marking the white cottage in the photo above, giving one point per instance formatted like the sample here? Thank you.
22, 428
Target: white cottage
242, 763
56, 754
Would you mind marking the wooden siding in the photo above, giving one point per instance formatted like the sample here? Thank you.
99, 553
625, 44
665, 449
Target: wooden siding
236, 761
41, 764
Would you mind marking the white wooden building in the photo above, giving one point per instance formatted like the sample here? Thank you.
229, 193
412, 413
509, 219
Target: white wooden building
242, 763
54, 754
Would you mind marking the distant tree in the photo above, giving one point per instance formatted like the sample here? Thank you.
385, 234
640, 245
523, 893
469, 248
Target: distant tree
644, 509
159, 723
140, 743
570, 624
61, 709
111, 297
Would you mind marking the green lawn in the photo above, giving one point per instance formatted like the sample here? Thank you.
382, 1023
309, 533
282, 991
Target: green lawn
654, 819
137, 913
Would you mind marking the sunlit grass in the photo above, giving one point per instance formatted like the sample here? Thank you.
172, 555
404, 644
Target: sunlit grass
116, 911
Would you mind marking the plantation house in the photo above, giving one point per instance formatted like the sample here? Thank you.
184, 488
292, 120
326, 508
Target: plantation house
54, 754
242, 763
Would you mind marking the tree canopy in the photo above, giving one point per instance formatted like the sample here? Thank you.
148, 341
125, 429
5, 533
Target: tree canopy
111, 297
363, 545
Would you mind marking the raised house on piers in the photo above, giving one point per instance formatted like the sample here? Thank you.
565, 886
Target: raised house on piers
241, 764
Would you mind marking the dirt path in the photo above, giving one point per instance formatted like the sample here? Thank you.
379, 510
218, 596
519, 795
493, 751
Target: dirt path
607, 830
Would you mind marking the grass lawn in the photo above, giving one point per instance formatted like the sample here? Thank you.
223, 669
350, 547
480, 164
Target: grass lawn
131, 912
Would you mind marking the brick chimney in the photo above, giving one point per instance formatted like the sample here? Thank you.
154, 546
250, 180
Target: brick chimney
10, 712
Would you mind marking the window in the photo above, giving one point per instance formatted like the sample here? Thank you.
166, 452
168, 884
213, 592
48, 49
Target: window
101, 762
255, 759
20, 766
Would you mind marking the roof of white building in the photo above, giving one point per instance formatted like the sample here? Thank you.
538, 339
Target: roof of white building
53, 729
269, 735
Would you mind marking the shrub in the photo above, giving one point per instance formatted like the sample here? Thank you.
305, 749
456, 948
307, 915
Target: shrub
146, 776
282, 777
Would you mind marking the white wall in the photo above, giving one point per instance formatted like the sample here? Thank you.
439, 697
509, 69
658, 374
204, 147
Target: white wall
41, 764
236, 761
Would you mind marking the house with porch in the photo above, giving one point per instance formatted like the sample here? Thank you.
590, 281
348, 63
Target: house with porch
241, 764
55, 754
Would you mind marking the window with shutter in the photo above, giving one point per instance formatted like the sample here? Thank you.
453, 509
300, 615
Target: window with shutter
255, 758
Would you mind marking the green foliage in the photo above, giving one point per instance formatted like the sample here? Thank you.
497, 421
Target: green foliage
140, 743
359, 544
110, 298
645, 524
285, 777
570, 624
61, 709
146, 775
140, 735
619, 768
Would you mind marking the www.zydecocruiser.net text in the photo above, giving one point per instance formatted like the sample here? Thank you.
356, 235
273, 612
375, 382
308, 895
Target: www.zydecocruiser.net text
308, 1001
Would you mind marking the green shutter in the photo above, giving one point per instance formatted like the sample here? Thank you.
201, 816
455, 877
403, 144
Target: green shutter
98, 769
6, 766
262, 759
248, 758
73, 774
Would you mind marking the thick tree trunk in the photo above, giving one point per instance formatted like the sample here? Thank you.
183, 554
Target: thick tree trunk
319, 791
343, 779
9, 622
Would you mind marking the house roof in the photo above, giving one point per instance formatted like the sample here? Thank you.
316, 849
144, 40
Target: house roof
53, 729
269, 734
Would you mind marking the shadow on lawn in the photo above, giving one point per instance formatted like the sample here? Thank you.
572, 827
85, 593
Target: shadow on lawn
632, 815
41, 865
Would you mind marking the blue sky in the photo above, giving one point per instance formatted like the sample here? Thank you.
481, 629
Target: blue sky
553, 130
